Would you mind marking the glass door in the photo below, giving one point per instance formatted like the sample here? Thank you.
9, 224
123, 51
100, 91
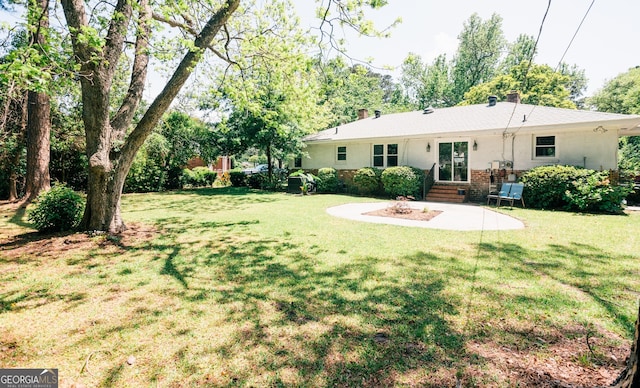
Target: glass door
453, 161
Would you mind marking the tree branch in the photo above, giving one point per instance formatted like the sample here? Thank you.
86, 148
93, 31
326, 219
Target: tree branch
131, 101
173, 86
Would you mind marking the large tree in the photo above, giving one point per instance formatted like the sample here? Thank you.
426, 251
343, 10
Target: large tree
110, 143
273, 92
112, 137
427, 85
39, 108
346, 89
478, 55
537, 85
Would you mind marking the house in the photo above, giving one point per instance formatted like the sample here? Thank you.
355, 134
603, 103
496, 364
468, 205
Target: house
472, 147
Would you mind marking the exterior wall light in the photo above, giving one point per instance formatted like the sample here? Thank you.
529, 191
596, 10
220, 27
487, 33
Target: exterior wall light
475, 146
428, 147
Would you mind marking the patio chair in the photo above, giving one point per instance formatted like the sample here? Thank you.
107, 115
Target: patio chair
503, 193
515, 194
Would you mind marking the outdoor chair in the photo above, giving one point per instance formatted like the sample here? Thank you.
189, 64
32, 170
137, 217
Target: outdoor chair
503, 193
515, 194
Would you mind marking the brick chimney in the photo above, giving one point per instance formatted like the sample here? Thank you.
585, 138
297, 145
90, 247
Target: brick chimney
363, 114
513, 97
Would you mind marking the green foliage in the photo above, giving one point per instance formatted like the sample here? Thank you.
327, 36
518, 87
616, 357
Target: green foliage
541, 86
148, 171
546, 186
401, 181
426, 85
257, 181
595, 193
59, 209
328, 180
572, 188
199, 177
368, 180
237, 178
619, 95
629, 154
478, 55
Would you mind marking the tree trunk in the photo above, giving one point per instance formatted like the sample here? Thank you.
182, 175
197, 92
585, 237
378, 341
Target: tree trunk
38, 146
39, 117
108, 167
630, 376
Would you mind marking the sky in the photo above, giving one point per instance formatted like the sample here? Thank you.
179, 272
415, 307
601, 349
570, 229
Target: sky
607, 44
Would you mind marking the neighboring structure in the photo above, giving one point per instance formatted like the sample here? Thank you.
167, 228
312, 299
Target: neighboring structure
473, 146
221, 165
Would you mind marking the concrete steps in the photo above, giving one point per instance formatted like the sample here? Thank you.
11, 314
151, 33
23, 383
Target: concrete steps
448, 193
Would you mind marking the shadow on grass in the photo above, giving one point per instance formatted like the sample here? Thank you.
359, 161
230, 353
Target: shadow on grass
580, 267
209, 200
393, 324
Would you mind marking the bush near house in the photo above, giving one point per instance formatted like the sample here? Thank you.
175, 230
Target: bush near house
368, 180
56, 210
237, 178
572, 188
401, 181
199, 177
327, 180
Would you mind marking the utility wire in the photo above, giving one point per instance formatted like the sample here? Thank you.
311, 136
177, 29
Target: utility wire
563, 55
524, 80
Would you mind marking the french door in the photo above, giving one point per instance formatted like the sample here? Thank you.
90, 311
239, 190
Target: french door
453, 161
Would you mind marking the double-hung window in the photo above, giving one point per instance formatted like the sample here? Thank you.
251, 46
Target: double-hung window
545, 146
385, 155
341, 154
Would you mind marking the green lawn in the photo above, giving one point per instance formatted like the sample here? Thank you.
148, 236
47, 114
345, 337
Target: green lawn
244, 288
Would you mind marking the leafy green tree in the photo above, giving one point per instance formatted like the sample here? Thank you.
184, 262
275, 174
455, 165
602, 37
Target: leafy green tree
426, 85
519, 51
619, 95
39, 106
577, 83
543, 86
346, 89
478, 55
273, 98
622, 95
99, 41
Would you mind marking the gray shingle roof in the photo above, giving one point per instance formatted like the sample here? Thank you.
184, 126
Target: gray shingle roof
470, 118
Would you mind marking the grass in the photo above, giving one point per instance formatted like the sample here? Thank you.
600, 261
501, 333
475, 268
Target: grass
245, 288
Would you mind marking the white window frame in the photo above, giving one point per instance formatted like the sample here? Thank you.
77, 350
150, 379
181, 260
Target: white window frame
536, 146
338, 153
385, 154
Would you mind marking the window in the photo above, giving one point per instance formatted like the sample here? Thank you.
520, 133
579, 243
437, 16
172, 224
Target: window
392, 155
545, 146
379, 155
342, 153
297, 162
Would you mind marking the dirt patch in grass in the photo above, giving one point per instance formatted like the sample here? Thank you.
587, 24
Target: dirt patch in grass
42, 246
557, 360
410, 214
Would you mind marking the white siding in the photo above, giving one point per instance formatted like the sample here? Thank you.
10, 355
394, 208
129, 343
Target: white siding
579, 148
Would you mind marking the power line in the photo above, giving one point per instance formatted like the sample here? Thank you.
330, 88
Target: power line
563, 55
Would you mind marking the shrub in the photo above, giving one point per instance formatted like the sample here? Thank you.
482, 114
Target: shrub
145, 175
56, 210
368, 180
237, 178
199, 177
257, 181
595, 193
327, 180
545, 186
399, 181
572, 188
